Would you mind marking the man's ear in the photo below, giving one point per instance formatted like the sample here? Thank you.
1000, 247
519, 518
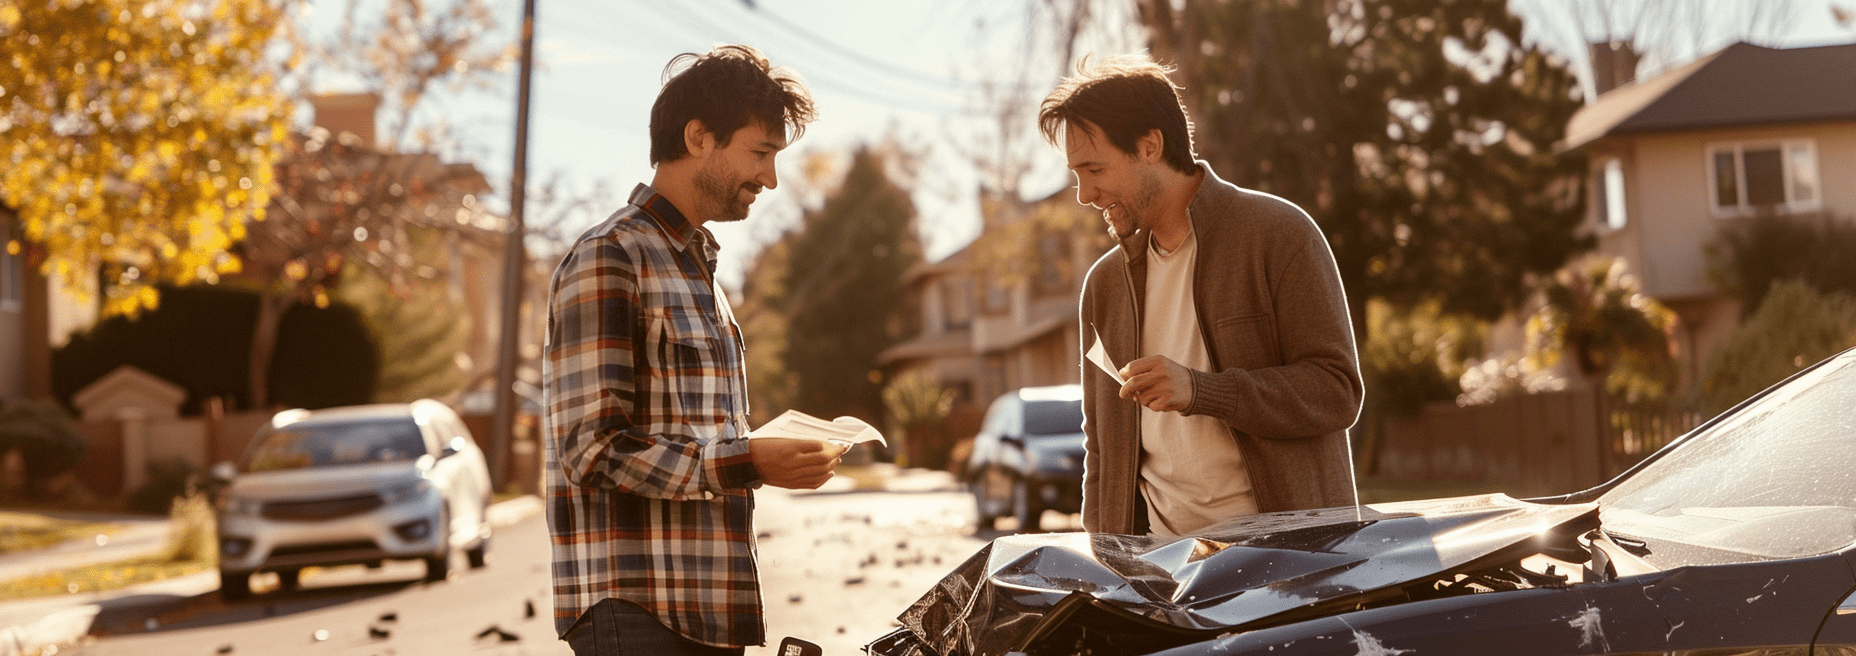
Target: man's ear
697, 138
1149, 146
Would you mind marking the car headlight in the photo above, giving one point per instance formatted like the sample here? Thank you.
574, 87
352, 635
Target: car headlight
237, 505
407, 492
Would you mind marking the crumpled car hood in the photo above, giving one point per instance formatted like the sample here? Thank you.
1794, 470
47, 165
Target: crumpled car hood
1252, 572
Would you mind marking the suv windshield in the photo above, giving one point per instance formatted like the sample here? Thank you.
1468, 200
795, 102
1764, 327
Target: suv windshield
1775, 480
347, 443
1053, 417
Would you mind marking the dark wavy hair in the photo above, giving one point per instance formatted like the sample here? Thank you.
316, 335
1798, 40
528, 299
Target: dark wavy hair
1125, 98
726, 88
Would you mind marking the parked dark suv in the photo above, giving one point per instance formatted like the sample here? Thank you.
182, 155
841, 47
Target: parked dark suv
1028, 456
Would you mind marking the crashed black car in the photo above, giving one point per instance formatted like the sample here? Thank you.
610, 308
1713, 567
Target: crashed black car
1738, 538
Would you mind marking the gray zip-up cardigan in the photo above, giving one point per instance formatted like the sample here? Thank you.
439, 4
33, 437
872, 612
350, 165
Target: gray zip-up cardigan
1285, 377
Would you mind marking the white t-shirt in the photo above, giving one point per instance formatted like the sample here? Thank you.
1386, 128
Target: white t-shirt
1192, 472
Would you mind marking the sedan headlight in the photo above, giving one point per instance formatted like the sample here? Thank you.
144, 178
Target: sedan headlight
407, 492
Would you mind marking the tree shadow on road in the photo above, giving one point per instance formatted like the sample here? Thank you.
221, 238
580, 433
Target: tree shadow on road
133, 613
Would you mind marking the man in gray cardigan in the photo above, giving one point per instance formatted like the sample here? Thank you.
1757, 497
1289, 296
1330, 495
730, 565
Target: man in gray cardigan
1223, 307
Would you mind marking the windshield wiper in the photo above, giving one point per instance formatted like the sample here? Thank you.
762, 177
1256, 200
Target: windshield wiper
1635, 546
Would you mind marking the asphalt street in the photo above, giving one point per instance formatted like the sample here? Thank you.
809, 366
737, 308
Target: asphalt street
838, 566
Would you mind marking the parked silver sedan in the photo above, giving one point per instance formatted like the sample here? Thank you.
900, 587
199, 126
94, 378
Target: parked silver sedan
353, 485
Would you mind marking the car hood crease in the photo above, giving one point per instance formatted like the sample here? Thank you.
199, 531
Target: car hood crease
1253, 571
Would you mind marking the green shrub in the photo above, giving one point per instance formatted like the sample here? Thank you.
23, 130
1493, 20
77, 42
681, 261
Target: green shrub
917, 408
47, 439
1795, 327
192, 534
1750, 256
1413, 357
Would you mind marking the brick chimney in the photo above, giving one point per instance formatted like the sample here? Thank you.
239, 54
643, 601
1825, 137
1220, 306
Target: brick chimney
348, 112
1614, 64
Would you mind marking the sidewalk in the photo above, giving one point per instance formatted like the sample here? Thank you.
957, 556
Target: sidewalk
30, 626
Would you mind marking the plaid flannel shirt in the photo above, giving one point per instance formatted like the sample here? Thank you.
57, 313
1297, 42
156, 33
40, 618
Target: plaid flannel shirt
650, 485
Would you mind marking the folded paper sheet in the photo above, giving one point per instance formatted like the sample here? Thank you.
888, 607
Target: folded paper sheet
1099, 355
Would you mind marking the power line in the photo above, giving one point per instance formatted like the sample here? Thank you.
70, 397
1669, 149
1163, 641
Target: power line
850, 54
822, 76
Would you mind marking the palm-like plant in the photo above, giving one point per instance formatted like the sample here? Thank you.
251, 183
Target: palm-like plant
1614, 333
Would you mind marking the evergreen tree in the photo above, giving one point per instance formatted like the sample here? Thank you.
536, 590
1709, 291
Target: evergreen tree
771, 387
843, 285
1420, 134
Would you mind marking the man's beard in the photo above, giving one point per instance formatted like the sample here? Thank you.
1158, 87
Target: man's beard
1136, 210
721, 196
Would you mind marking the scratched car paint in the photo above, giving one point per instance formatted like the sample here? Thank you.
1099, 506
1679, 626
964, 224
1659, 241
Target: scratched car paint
1739, 538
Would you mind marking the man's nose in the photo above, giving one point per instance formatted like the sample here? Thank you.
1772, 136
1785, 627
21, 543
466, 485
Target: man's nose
1086, 194
768, 178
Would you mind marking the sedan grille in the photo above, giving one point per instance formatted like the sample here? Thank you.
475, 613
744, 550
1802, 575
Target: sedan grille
324, 548
320, 509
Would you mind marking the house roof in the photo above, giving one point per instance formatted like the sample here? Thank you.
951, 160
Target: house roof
955, 343
127, 386
956, 262
1742, 84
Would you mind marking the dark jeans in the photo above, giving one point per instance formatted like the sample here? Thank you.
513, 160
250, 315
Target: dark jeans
621, 628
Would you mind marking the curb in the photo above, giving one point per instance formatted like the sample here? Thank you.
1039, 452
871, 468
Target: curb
60, 628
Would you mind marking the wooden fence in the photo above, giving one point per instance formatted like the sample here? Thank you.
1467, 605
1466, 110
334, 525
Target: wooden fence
1553, 442
120, 450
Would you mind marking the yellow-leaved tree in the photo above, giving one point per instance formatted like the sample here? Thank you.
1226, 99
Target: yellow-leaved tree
139, 135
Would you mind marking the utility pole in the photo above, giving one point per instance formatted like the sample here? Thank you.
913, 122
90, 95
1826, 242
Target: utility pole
515, 264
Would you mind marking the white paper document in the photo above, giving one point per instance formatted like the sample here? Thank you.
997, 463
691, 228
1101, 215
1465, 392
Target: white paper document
799, 425
1099, 355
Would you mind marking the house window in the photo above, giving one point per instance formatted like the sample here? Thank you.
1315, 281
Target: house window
1609, 194
1753, 176
1053, 261
957, 299
12, 269
998, 296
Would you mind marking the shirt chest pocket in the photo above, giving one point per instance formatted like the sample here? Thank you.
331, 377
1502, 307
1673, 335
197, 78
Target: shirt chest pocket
688, 366
1245, 341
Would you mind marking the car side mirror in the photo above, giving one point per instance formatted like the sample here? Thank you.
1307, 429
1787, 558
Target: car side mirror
223, 472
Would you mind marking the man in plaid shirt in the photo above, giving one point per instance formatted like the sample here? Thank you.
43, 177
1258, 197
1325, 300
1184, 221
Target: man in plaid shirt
650, 476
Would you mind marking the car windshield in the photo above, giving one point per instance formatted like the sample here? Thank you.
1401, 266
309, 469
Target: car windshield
1774, 480
346, 443
1053, 417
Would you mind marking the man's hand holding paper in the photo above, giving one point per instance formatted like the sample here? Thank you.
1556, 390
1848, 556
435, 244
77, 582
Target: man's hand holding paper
799, 451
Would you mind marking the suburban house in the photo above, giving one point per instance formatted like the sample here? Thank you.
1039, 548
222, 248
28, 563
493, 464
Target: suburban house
36, 314
1680, 156
1675, 160
13, 320
1001, 313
